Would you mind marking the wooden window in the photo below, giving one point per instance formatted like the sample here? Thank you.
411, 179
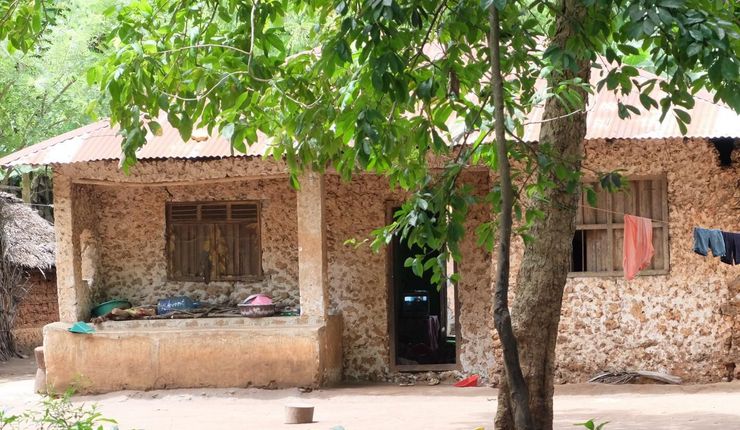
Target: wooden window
598, 242
215, 241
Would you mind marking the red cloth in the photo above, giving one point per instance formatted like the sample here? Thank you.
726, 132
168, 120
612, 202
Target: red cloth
638, 245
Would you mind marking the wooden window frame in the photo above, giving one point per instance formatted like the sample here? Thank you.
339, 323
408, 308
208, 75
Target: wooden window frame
610, 226
229, 203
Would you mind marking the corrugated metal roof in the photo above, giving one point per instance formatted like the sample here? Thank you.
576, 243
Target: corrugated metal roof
100, 141
708, 119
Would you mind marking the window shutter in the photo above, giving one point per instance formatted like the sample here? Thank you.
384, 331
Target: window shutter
220, 238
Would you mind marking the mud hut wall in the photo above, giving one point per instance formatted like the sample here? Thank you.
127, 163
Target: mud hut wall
358, 278
133, 252
674, 322
38, 308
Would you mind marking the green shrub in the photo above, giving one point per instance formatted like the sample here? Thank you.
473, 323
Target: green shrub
57, 413
591, 425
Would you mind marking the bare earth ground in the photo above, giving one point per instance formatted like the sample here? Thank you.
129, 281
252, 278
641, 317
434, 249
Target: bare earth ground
376, 407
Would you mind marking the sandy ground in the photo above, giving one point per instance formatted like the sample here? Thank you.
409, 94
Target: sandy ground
376, 407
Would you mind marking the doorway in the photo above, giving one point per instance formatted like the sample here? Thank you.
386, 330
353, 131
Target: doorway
423, 318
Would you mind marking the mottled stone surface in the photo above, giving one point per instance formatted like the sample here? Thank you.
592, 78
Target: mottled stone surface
358, 279
671, 323
685, 322
133, 258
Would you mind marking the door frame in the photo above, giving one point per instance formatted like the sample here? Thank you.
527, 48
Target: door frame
392, 305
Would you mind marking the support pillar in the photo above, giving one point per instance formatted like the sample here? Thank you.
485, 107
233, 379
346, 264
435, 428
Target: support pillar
73, 299
312, 255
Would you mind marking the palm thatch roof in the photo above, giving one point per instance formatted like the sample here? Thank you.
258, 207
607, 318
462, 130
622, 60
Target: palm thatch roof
28, 238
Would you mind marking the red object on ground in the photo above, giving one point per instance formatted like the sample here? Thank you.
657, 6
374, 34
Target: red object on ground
470, 381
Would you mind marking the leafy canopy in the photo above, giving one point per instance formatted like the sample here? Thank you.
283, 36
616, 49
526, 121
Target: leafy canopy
43, 92
402, 87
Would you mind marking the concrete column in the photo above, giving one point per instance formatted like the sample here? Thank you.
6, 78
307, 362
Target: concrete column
72, 297
312, 262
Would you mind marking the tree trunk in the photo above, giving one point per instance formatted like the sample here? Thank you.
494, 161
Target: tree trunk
546, 262
502, 318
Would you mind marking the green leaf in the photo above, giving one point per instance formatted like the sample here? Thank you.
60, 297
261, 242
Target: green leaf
628, 49
228, 131
683, 115
591, 197
729, 69
185, 128
155, 128
343, 51
672, 4
693, 49
647, 101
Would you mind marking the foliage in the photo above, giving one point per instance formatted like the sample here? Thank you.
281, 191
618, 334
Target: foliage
386, 86
57, 413
591, 425
42, 89
23, 22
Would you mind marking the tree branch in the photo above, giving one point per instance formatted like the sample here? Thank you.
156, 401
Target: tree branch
518, 391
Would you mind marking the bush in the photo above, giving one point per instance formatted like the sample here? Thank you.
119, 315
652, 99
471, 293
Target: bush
590, 425
57, 413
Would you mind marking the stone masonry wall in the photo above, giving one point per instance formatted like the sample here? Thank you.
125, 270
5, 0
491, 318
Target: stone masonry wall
129, 233
126, 225
681, 322
672, 323
133, 253
358, 279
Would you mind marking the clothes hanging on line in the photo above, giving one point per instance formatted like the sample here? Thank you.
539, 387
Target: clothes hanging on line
732, 248
706, 239
638, 245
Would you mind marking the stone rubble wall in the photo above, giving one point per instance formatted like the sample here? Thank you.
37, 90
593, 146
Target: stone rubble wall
358, 278
671, 323
685, 322
133, 254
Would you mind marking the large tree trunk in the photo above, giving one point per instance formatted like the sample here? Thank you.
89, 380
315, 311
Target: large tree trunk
543, 272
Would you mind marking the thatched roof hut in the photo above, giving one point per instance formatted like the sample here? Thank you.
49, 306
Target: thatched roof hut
29, 238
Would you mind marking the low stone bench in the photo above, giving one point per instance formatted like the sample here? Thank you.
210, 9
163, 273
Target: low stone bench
207, 352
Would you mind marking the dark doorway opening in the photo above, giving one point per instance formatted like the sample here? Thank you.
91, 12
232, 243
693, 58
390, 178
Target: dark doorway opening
423, 318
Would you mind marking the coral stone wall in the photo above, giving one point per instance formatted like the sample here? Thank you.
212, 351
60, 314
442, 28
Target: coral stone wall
684, 322
133, 253
126, 225
38, 308
358, 279
673, 323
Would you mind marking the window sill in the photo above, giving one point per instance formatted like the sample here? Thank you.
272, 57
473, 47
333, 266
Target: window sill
661, 272
246, 279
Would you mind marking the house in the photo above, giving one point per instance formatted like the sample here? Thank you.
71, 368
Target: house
193, 219
29, 247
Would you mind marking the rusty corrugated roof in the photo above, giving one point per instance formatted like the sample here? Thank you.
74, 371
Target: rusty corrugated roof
708, 119
100, 141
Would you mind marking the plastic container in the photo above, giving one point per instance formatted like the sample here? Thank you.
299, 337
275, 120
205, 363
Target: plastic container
107, 307
180, 303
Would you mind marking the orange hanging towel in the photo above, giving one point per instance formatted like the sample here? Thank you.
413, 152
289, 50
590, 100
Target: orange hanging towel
638, 244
